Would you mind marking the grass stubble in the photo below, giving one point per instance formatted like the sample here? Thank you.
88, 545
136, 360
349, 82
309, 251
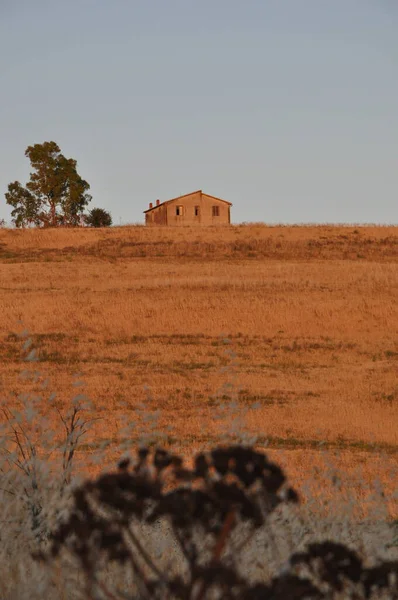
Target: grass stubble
290, 332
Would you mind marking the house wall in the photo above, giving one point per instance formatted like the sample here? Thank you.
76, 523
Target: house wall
188, 203
224, 211
205, 217
158, 216
166, 214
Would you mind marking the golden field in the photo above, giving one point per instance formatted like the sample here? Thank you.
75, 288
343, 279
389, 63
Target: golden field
301, 322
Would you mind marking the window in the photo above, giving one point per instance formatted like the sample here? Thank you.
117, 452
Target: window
197, 211
216, 211
179, 211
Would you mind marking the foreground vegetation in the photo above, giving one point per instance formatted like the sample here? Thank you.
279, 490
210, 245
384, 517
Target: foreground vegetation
213, 511
227, 526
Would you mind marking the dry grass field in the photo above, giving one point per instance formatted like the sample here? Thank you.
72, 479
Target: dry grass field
297, 324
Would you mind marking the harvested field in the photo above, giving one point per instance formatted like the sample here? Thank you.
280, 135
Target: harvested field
297, 324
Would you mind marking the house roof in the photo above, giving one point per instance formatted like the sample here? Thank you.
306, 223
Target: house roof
184, 196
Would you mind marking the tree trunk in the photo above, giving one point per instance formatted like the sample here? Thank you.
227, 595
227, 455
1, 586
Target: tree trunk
53, 214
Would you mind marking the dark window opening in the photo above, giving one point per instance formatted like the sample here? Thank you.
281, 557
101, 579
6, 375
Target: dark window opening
216, 211
197, 211
179, 211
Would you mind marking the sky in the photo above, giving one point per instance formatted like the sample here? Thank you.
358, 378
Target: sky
286, 108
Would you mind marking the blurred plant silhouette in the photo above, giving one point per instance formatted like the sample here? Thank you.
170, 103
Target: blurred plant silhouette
157, 527
227, 489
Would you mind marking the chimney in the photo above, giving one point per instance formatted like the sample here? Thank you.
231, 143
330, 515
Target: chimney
157, 202
150, 205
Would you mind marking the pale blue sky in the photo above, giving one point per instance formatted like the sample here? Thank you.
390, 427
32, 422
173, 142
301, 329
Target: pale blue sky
287, 108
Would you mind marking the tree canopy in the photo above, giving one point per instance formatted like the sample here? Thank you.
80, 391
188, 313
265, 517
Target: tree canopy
55, 194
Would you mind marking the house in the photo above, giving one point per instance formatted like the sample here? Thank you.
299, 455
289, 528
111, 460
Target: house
195, 208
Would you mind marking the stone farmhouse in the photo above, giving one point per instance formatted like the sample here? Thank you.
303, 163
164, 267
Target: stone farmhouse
195, 208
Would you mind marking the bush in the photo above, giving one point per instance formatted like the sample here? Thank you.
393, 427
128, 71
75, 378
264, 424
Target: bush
98, 217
